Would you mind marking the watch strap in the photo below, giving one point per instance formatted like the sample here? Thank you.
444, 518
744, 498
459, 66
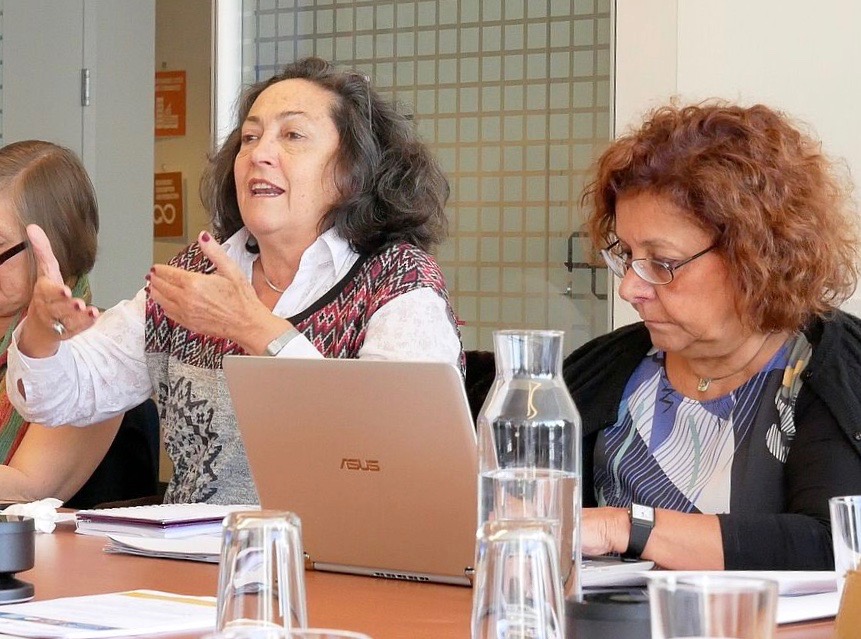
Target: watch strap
642, 521
277, 345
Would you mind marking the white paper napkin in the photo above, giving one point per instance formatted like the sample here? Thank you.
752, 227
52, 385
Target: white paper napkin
43, 513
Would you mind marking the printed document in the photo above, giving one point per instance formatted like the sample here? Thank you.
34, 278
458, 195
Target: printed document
120, 614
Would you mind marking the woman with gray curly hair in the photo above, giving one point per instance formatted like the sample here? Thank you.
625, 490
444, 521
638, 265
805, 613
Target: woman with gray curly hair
324, 208
716, 429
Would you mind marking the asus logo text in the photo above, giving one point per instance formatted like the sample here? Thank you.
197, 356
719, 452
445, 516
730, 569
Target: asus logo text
354, 463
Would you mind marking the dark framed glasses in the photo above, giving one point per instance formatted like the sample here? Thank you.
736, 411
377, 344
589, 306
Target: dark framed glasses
653, 271
9, 253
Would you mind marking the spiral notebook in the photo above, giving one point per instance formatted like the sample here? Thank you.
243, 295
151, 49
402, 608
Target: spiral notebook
378, 459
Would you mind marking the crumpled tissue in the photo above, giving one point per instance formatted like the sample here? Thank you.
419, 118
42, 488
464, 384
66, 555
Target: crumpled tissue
43, 513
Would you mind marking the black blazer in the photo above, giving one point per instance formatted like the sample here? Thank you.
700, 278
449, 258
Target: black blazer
824, 459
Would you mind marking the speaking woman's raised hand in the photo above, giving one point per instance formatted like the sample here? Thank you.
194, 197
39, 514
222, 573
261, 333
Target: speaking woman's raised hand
221, 303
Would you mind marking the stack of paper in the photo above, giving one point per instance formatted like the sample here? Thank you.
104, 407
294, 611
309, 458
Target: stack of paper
161, 520
121, 614
790, 583
199, 548
804, 594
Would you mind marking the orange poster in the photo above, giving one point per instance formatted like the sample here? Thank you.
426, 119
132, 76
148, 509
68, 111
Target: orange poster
170, 93
167, 208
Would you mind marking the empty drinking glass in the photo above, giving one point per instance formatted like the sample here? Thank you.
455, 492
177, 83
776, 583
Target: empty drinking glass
846, 534
518, 590
712, 606
261, 582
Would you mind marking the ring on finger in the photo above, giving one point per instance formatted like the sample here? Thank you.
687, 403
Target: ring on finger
58, 327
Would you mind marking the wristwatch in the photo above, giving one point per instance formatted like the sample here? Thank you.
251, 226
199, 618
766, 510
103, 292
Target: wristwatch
274, 347
642, 521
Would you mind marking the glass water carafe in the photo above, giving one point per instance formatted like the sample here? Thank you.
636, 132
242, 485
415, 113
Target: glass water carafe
529, 443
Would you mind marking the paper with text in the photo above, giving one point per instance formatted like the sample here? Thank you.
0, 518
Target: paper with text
121, 614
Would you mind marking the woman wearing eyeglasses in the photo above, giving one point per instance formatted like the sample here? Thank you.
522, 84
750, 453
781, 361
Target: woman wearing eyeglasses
325, 206
42, 183
716, 429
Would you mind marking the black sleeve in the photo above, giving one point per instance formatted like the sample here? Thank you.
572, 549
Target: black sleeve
821, 464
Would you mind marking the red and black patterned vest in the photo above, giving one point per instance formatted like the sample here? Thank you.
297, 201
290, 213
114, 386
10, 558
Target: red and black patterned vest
335, 324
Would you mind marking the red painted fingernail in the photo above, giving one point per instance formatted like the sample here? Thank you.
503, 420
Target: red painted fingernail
147, 276
205, 237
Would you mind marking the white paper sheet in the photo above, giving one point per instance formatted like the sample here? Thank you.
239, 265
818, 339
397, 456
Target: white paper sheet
604, 572
789, 582
807, 607
119, 614
804, 594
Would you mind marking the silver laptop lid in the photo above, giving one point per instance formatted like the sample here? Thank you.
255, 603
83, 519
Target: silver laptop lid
378, 459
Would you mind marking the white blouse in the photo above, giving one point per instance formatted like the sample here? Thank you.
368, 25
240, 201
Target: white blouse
102, 371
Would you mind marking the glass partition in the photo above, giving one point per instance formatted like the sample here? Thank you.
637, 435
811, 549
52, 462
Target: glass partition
514, 98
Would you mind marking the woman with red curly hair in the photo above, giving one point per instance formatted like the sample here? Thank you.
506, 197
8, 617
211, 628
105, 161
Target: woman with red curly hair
716, 429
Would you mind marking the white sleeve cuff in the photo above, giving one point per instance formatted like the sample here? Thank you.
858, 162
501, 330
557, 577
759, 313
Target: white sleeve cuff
300, 347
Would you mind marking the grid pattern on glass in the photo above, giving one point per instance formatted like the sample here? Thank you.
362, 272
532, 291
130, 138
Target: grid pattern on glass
513, 96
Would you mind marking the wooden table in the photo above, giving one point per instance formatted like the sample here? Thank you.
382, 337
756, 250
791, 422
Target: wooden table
68, 564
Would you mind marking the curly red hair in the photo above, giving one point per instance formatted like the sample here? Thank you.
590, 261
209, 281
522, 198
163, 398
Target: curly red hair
781, 211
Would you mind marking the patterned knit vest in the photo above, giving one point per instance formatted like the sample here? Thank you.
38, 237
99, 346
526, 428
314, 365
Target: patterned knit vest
197, 417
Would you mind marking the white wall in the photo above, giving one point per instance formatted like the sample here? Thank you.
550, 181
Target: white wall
27, 34
801, 57
118, 132
45, 46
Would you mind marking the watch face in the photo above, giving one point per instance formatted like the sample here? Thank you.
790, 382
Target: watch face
638, 511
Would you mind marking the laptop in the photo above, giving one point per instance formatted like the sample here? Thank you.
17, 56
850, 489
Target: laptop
377, 458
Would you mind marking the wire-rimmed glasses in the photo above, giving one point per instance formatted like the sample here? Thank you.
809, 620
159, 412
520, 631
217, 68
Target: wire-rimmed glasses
653, 271
11, 252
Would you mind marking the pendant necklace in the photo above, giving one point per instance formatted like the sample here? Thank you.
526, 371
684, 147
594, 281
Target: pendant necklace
704, 382
269, 283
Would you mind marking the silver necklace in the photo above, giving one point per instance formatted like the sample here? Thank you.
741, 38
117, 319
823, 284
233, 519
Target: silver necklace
269, 283
704, 382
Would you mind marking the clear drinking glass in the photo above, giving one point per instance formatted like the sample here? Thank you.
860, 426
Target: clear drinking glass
261, 581
529, 443
517, 592
712, 607
846, 534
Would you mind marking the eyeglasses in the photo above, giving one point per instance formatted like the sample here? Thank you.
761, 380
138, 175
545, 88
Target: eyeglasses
9, 253
652, 271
